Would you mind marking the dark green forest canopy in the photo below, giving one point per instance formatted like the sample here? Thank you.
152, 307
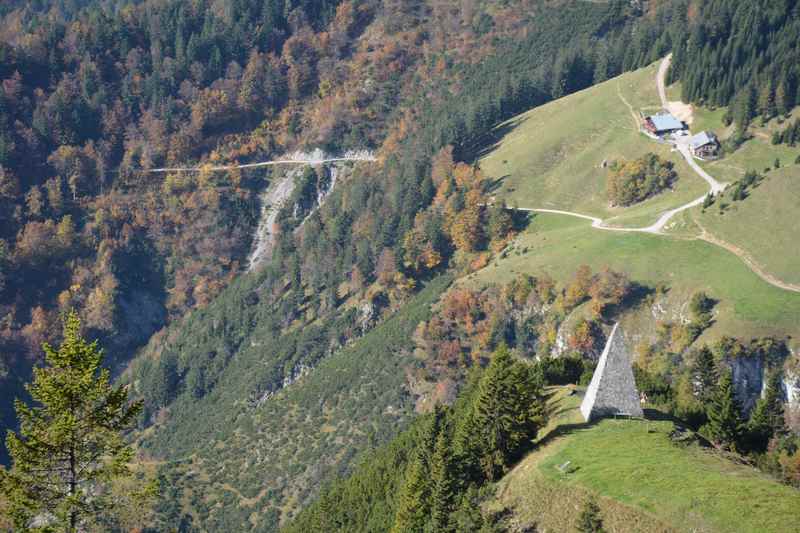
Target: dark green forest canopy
745, 53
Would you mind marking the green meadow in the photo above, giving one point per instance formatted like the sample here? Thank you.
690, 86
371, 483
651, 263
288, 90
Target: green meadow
642, 480
559, 244
553, 155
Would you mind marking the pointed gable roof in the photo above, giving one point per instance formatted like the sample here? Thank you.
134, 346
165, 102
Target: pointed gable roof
613, 388
666, 122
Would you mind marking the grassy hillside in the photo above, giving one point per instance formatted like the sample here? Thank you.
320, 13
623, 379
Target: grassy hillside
558, 244
645, 482
551, 156
763, 225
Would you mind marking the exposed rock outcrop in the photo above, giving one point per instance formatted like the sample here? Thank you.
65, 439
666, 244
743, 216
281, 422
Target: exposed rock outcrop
278, 192
748, 380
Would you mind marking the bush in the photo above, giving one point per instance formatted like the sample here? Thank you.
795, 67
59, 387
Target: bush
590, 521
701, 303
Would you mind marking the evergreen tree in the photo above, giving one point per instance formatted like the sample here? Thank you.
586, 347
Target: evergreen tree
507, 413
414, 499
413, 503
590, 521
725, 426
766, 102
70, 445
704, 375
767, 419
782, 99
468, 516
466, 445
743, 110
443, 483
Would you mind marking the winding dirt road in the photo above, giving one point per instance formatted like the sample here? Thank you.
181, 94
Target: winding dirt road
302, 159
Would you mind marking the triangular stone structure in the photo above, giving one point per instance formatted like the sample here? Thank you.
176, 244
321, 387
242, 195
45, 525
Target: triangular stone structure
613, 388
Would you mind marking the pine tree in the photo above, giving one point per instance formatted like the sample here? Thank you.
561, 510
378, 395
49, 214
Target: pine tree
743, 110
767, 419
413, 503
70, 445
507, 413
704, 375
590, 521
468, 516
466, 445
782, 99
766, 102
442, 484
414, 499
601, 65
725, 426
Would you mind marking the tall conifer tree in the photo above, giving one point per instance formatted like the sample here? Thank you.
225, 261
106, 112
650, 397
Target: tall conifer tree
69, 446
767, 419
442, 484
724, 415
704, 375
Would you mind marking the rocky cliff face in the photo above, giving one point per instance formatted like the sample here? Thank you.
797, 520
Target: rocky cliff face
791, 386
791, 381
748, 379
279, 192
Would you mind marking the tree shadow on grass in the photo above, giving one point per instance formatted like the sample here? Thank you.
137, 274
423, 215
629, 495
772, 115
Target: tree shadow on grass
563, 430
636, 295
496, 184
489, 141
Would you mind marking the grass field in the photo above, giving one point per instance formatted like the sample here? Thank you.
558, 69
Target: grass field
552, 155
644, 482
763, 225
551, 158
558, 244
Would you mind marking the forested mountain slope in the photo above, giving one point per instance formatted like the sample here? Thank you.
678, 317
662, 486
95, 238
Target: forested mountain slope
381, 233
741, 53
260, 388
88, 105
